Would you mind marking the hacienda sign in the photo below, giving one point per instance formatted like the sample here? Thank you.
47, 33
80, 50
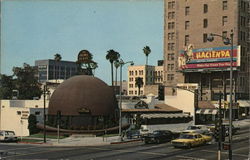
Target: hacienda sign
208, 58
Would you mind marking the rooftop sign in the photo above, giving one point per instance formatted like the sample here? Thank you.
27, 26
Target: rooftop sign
217, 58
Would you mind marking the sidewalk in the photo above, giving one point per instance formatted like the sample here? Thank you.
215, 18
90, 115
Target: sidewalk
89, 141
99, 141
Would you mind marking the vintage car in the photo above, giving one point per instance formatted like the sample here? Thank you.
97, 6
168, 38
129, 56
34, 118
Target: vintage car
158, 136
202, 129
133, 134
8, 136
189, 140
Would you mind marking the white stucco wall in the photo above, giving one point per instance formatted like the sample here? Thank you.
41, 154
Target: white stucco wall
184, 100
14, 114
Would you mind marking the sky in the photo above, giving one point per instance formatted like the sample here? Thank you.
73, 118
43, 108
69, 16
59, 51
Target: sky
38, 29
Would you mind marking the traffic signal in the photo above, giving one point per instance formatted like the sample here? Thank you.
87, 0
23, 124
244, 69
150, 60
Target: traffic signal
58, 117
217, 134
223, 133
161, 92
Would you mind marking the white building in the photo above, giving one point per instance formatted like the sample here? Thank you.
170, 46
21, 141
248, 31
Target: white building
151, 75
14, 114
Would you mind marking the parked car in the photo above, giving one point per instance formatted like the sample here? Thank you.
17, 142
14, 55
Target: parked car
202, 129
159, 136
189, 140
131, 134
8, 136
234, 129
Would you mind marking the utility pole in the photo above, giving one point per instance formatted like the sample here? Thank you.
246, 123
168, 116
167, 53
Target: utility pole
220, 129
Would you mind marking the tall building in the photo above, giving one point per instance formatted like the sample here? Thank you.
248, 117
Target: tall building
50, 69
151, 75
190, 58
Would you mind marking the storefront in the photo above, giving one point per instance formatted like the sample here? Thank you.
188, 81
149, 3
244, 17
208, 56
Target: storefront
206, 115
244, 109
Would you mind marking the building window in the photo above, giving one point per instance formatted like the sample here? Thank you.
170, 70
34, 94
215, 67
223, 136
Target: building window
170, 77
187, 11
171, 46
205, 37
171, 25
205, 23
242, 21
242, 36
224, 20
171, 5
171, 36
171, 15
187, 24
170, 56
18, 112
37, 113
136, 73
205, 8
186, 40
170, 67
224, 34
224, 5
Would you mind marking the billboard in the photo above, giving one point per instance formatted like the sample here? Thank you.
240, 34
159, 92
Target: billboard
217, 58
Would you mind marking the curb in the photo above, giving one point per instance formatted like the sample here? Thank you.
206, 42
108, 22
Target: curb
123, 142
40, 143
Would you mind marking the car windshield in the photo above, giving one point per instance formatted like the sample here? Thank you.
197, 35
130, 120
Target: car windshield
186, 136
193, 127
156, 132
11, 133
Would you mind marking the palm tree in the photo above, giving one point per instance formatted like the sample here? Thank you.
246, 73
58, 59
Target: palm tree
57, 58
146, 51
139, 83
117, 65
112, 56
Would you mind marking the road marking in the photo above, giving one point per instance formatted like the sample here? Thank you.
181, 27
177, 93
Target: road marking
127, 151
242, 155
17, 149
193, 158
25, 154
240, 148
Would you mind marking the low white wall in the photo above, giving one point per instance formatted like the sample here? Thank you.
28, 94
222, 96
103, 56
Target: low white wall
184, 100
10, 120
14, 114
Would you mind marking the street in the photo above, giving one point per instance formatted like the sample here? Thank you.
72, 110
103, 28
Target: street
136, 150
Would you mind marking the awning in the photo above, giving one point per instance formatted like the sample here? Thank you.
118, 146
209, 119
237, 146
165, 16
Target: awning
198, 111
215, 111
206, 111
170, 115
244, 103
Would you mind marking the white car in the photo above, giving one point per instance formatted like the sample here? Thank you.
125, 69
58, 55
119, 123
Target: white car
202, 129
8, 136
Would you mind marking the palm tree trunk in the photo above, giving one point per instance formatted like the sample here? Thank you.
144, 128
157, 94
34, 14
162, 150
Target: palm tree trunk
54, 71
115, 80
112, 75
146, 60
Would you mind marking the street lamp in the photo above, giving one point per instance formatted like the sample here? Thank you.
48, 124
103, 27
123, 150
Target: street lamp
228, 41
121, 63
45, 92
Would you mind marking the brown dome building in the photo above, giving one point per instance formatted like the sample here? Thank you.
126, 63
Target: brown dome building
85, 102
